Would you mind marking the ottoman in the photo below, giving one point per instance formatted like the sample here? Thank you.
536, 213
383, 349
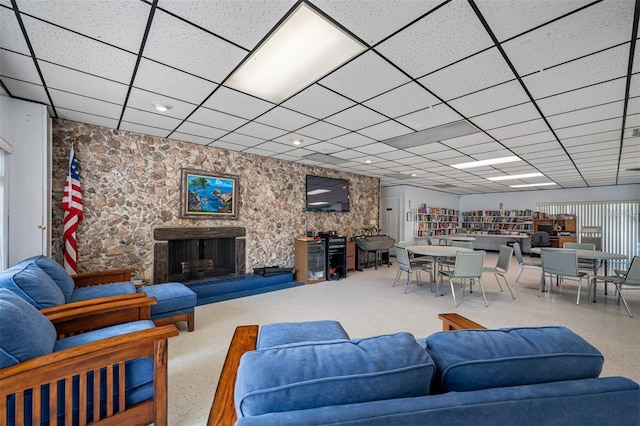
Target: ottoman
176, 302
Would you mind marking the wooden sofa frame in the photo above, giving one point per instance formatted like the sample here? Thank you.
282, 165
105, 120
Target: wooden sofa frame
77, 361
223, 412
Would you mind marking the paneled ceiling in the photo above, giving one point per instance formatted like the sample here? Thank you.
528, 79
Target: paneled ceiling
554, 82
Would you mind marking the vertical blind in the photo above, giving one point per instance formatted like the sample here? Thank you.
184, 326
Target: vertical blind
616, 222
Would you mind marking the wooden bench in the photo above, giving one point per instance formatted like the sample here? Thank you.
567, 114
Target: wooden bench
245, 339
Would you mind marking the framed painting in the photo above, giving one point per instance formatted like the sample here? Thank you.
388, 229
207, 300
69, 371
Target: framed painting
207, 195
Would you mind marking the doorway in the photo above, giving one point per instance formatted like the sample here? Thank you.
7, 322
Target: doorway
390, 219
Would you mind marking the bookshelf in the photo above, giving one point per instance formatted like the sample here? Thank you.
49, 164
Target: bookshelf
434, 221
502, 221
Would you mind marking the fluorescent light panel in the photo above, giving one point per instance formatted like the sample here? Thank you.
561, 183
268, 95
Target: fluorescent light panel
304, 48
526, 185
521, 176
487, 162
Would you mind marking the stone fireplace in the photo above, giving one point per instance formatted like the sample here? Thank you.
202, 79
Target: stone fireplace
194, 253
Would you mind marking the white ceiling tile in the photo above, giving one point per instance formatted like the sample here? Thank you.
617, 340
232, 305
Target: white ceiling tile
429, 117
318, 102
10, 33
34, 92
244, 140
475, 73
237, 103
591, 138
472, 139
61, 78
183, 46
428, 149
403, 100
321, 131
260, 131
21, 67
143, 130
288, 139
275, 147
449, 34
584, 97
373, 20
65, 48
145, 118
590, 128
492, 99
284, 118
212, 118
528, 139
82, 117
356, 118
510, 18
507, 116
168, 81
386, 130
374, 148
607, 65
83, 104
207, 132
122, 26
223, 17
143, 100
586, 115
521, 129
365, 77
229, 146
184, 137
324, 148
352, 140
589, 30
475, 149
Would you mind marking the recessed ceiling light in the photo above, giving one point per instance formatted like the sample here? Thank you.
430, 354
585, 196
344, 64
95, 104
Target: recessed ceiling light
526, 185
487, 162
368, 161
521, 176
414, 174
304, 48
162, 107
297, 141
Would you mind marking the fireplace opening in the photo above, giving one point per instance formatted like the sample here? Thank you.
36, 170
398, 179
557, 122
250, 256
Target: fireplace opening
201, 258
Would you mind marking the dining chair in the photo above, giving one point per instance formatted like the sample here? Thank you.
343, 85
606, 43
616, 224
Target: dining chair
583, 263
521, 263
406, 264
449, 262
502, 267
468, 266
630, 279
562, 263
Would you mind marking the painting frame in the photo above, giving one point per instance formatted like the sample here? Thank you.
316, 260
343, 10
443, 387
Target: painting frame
191, 180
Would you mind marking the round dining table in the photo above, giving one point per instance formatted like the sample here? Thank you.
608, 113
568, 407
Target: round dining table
438, 253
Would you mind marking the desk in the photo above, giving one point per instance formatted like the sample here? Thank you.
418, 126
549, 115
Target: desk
446, 238
438, 253
592, 255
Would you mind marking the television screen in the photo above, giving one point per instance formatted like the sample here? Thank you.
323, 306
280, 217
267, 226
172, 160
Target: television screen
327, 194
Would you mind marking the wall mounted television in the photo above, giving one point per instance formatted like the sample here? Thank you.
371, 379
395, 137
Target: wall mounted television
327, 194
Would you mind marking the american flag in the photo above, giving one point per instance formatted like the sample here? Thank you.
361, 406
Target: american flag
72, 206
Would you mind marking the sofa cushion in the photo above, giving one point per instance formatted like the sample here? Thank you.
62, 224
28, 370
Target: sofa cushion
480, 359
24, 332
284, 333
29, 281
102, 290
57, 273
171, 297
316, 374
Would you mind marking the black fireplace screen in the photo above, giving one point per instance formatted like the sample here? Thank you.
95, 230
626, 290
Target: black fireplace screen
201, 258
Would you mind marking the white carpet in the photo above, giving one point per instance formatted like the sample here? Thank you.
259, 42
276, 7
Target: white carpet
366, 304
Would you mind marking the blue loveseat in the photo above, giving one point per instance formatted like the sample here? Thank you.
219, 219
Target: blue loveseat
314, 373
45, 284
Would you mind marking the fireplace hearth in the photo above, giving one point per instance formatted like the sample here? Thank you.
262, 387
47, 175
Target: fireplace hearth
194, 253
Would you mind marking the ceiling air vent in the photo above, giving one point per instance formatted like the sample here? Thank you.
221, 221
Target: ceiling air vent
635, 133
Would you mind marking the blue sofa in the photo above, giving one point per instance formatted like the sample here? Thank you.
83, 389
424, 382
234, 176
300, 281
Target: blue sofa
314, 373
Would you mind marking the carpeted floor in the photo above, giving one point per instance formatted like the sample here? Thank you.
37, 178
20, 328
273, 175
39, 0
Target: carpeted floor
366, 304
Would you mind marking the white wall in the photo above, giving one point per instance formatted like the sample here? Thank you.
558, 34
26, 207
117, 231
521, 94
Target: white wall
528, 199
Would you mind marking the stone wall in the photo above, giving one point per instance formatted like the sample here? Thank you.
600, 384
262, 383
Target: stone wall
131, 184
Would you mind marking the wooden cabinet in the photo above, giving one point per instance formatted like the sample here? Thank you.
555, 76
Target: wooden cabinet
561, 228
311, 260
351, 256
